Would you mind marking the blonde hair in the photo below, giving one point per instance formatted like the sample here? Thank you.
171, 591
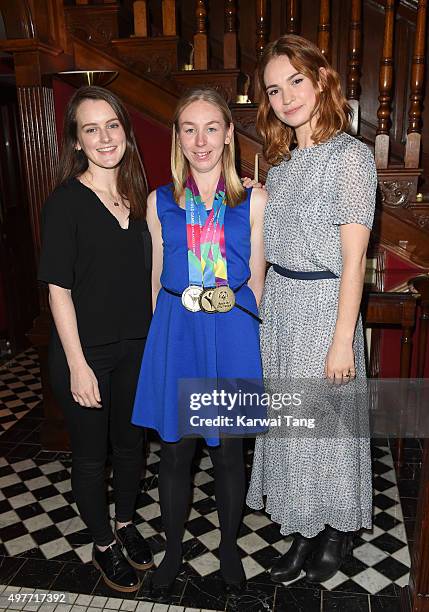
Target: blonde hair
331, 109
235, 192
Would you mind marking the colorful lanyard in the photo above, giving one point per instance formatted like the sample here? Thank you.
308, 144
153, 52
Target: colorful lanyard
207, 266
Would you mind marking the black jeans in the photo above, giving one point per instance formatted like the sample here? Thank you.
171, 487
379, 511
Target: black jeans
116, 367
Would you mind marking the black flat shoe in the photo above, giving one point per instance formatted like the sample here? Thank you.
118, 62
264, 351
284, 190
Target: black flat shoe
289, 566
332, 548
117, 573
138, 551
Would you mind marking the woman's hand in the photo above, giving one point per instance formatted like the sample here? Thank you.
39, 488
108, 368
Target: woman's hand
340, 362
248, 182
84, 386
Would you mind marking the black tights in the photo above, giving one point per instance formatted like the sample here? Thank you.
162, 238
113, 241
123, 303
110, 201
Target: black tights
174, 495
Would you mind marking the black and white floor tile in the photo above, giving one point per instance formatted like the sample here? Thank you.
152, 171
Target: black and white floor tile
45, 545
20, 388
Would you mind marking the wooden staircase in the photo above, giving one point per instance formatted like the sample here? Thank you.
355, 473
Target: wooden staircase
153, 71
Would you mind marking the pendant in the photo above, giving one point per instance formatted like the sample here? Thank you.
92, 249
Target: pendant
190, 298
115, 203
205, 300
223, 298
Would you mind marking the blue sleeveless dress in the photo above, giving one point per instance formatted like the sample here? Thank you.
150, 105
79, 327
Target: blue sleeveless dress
183, 344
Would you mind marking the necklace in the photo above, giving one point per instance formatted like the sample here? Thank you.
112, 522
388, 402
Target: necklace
94, 189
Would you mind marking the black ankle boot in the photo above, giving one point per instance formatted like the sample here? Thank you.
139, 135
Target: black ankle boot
116, 571
289, 566
332, 548
138, 551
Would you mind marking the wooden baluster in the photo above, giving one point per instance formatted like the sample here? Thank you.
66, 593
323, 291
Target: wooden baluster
412, 148
324, 29
354, 62
292, 17
200, 38
140, 18
385, 85
230, 35
169, 17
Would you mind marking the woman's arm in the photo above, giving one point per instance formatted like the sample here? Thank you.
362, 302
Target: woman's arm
155, 230
83, 382
258, 201
340, 357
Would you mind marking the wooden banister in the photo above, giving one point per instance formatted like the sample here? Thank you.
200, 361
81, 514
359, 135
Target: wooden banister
230, 35
324, 29
200, 38
354, 61
412, 148
140, 18
169, 17
385, 87
292, 17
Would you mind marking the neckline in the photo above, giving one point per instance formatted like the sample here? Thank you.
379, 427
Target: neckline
100, 201
304, 150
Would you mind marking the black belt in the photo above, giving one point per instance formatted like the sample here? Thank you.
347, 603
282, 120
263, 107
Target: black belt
249, 312
295, 274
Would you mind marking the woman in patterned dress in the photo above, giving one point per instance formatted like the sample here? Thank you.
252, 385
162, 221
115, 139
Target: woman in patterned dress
321, 198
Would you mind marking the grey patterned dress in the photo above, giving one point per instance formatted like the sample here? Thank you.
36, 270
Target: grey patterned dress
310, 482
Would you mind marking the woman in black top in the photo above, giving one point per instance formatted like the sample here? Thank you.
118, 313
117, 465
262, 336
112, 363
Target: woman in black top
96, 260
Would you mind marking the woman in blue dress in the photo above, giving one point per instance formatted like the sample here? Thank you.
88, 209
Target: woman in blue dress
207, 252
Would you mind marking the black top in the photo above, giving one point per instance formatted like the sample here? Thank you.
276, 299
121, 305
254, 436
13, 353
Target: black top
106, 267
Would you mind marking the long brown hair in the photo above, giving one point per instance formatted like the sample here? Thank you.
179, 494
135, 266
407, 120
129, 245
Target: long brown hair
331, 110
131, 182
235, 192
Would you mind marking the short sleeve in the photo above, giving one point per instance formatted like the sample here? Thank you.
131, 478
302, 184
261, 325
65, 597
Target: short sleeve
356, 185
58, 252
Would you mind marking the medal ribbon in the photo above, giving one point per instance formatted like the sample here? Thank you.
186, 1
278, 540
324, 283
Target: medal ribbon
205, 234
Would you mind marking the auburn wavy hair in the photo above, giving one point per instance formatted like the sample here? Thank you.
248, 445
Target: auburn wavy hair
235, 192
131, 181
331, 110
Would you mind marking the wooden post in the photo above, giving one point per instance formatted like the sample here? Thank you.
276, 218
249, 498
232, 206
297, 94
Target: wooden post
412, 148
354, 62
324, 29
169, 17
200, 38
385, 85
230, 35
140, 18
292, 17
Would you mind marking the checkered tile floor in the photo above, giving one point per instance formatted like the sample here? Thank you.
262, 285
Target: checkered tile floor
20, 388
39, 518
39, 521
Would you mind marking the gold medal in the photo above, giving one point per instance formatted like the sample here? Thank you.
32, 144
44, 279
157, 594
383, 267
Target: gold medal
223, 298
190, 297
205, 300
